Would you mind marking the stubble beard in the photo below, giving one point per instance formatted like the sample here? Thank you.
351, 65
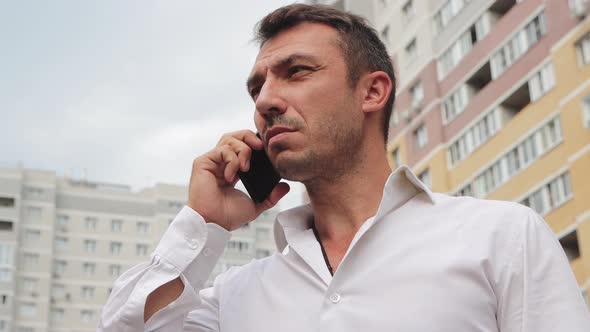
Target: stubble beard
323, 161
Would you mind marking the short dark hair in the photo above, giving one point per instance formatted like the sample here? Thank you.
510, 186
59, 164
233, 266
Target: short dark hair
360, 43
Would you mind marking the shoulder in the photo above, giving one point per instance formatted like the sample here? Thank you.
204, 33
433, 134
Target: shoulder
494, 212
503, 223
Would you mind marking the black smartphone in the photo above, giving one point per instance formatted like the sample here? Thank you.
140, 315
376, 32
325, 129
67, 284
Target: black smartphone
261, 178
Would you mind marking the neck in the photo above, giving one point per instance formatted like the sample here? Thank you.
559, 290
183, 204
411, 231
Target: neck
342, 204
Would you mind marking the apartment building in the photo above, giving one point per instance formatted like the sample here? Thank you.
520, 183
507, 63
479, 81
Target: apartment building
63, 242
493, 101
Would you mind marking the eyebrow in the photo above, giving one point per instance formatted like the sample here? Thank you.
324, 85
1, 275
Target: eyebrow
258, 78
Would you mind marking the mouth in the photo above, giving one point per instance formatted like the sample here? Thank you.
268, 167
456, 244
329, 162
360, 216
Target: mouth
275, 131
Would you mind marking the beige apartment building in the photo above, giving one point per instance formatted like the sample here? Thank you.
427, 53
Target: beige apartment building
63, 242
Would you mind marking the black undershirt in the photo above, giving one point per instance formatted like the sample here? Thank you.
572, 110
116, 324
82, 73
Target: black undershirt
317, 236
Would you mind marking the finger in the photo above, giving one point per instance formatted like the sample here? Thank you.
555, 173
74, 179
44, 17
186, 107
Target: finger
246, 136
278, 192
243, 151
232, 163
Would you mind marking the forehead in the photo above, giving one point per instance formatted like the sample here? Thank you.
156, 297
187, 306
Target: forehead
316, 39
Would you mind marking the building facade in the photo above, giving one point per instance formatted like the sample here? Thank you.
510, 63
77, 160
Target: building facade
63, 242
493, 101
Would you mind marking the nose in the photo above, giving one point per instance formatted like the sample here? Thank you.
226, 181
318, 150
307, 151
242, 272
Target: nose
270, 101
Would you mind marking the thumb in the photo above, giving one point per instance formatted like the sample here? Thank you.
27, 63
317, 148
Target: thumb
279, 191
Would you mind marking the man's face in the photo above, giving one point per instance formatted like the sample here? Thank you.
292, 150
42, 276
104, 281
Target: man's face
308, 115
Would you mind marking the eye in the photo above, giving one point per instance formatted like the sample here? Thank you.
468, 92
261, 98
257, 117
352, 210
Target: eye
296, 69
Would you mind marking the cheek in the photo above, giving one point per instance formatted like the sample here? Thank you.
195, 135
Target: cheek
258, 121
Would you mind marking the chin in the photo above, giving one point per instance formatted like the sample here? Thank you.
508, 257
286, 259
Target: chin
293, 166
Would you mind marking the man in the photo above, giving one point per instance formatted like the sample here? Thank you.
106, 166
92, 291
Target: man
373, 251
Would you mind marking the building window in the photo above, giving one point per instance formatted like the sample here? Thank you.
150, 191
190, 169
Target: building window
141, 249
32, 235
261, 253
58, 291
6, 254
57, 314
90, 223
569, 243
530, 149
33, 213
116, 225
462, 46
425, 178
448, 10
59, 266
62, 220
475, 136
116, 248
550, 196
87, 292
408, 11
29, 284
541, 82
88, 268
394, 119
61, 243
31, 261
455, 103
239, 246
417, 95
583, 49
385, 34
421, 136
586, 111
28, 310
396, 158
5, 275
518, 45
175, 205
6, 202
87, 316
90, 246
142, 227
115, 270
411, 51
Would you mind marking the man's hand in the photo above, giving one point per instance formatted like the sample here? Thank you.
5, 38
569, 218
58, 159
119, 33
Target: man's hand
214, 175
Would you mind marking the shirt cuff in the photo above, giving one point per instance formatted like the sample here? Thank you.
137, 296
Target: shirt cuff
192, 246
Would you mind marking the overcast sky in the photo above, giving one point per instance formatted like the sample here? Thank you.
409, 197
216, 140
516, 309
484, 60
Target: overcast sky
131, 91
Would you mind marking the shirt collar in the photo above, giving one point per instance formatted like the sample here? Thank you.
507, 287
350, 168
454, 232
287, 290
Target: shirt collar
401, 186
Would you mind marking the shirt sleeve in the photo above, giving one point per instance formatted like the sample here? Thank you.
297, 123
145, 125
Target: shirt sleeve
189, 249
540, 292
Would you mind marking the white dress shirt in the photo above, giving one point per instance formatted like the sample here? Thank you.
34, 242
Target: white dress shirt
425, 262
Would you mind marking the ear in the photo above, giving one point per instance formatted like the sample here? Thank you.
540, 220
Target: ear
376, 88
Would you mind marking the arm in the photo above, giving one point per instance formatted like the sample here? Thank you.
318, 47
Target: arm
540, 293
184, 258
158, 295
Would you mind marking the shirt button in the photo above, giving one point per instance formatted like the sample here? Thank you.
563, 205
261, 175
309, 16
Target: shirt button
193, 243
207, 252
335, 298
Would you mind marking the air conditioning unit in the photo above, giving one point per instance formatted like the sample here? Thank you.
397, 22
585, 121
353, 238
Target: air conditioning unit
68, 297
34, 294
63, 228
580, 8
